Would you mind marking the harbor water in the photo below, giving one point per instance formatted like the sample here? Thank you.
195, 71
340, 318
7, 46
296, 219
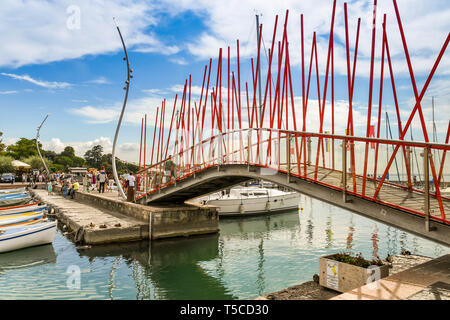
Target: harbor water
250, 257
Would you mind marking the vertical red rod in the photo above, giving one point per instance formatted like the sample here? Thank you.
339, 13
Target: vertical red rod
269, 73
422, 120
416, 106
322, 110
140, 144
154, 138
380, 97
397, 109
163, 114
332, 103
369, 111
293, 108
171, 122
351, 81
303, 98
228, 102
162, 130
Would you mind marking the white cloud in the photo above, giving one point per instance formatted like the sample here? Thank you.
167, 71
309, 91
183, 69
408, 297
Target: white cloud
44, 31
9, 92
100, 80
125, 151
40, 83
179, 60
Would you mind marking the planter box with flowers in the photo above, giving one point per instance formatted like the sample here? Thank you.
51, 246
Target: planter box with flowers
343, 272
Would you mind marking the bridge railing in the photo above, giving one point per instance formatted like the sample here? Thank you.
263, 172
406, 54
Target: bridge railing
370, 168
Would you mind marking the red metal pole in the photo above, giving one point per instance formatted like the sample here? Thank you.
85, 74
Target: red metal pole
322, 112
351, 82
269, 73
381, 96
140, 144
417, 105
397, 109
416, 94
171, 122
154, 138
303, 144
369, 112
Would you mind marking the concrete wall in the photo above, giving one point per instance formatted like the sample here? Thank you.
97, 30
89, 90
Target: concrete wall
168, 221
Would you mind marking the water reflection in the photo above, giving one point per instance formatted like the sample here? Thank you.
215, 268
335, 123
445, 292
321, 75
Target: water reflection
249, 257
351, 230
374, 239
174, 267
26, 258
260, 281
329, 233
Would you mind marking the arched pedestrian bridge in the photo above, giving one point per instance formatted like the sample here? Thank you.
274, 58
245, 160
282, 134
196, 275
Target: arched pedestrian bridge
411, 207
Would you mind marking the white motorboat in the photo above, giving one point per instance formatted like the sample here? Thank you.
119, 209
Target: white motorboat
245, 201
27, 236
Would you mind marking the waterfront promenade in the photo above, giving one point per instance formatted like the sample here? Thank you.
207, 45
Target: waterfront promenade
95, 218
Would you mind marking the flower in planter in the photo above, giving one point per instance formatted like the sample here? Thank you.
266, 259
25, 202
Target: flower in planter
357, 260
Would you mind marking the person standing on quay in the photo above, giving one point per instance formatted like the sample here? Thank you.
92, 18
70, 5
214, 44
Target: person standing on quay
130, 190
102, 179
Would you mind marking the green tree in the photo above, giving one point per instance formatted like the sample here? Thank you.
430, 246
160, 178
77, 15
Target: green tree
5, 164
50, 155
36, 163
68, 152
23, 148
65, 161
93, 157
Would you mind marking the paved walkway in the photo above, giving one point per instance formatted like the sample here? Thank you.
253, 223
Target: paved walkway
426, 281
91, 224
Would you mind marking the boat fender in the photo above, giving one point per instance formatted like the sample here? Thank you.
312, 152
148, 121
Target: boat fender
79, 235
267, 206
241, 208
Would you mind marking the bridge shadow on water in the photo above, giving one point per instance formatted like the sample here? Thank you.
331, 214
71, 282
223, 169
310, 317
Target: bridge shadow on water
171, 265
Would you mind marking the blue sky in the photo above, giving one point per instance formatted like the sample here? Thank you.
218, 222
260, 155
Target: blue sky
65, 59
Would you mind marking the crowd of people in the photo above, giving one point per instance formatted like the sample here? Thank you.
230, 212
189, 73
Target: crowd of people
94, 180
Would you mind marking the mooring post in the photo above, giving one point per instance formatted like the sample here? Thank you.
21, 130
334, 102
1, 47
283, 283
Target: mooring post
344, 170
426, 154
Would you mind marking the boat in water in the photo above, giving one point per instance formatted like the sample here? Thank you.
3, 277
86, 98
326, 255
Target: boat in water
253, 200
20, 218
26, 236
14, 199
5, 191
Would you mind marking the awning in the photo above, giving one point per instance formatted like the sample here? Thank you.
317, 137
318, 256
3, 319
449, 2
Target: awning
20, 164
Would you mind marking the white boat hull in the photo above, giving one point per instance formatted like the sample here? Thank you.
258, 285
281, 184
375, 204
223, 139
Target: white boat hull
253, 206
29, 236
